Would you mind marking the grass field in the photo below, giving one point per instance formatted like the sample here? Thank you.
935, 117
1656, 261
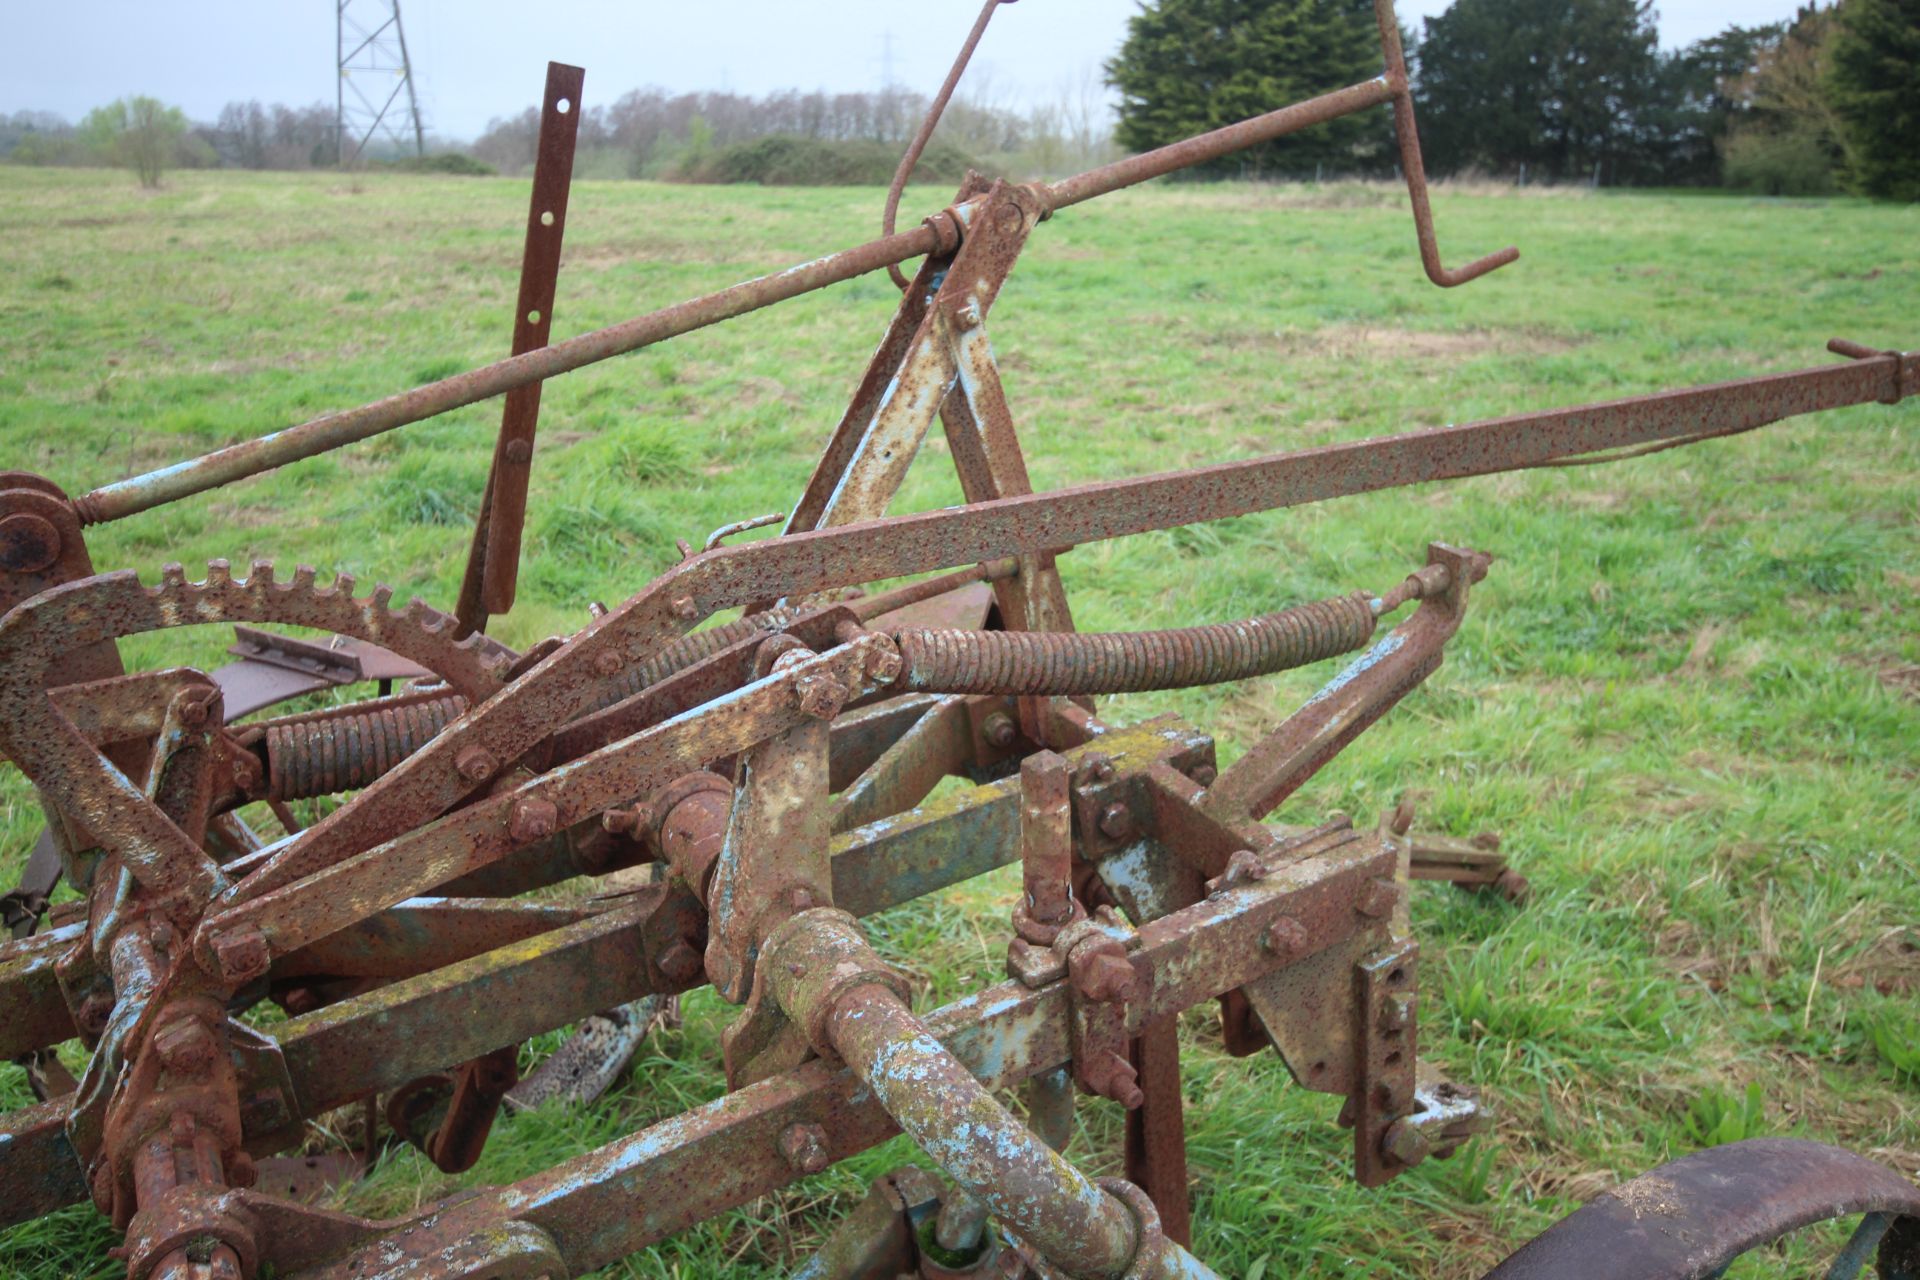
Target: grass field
1686, 694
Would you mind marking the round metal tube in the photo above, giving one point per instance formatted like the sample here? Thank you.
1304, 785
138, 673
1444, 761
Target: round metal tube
1023, 1182
251, 457
1221, 142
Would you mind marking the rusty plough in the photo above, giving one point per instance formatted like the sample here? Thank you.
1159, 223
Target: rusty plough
778, 774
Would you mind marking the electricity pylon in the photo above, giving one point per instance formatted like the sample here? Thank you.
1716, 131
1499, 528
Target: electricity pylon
371, 49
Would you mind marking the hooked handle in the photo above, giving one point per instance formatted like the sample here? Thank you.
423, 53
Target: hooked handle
1408, 137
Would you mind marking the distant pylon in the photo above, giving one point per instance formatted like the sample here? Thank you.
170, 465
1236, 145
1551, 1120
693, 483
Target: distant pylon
371, 48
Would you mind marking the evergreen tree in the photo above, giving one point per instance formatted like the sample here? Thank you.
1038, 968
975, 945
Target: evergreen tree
1557, 85
1192, 65
1873, 77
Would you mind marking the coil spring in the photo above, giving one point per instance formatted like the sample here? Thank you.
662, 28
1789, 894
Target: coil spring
695, 647
1065, 664
327, 754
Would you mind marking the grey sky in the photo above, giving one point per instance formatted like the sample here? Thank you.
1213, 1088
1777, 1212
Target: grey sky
476, 59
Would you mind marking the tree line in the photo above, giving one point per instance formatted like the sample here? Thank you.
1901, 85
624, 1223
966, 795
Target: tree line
789, 136
1528, 90
1555, 90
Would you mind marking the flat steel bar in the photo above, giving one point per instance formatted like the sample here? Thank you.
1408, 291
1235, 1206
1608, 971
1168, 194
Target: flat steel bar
39, 1171
513, 721
846, 555
395, 1033
640, 1189
493, 559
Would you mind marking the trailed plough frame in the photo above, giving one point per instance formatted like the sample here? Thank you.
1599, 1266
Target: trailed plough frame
778, 769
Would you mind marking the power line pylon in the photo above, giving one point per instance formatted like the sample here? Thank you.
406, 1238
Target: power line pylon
371, 48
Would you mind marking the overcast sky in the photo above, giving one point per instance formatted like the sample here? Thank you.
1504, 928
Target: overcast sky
477, 59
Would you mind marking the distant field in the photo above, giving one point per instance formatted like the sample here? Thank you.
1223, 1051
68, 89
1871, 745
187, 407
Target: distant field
1688, 694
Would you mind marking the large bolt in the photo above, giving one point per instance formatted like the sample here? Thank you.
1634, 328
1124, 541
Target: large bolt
1406, 1142
607, 662
28, 543
1377, 898
820, 695
884, 663
91, 1017
684, 608
1285, 939
1100, 971
533, 818
805, 1147
999, 730
680, 962
1112, 1076
241, 954
1116, 821
185, 1046
1204, 774
476, 764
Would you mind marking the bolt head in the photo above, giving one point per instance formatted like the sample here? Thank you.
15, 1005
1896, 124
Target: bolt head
241, 954
185, 1047
1285, 939
1116, 821
683, 608
1204, 774
680, 962
93, 1014
884, 664
804, 1146
1406, 1143
607, 662
1378, 898
476, 764
820, 695
534, 818
1102, 973
999, 729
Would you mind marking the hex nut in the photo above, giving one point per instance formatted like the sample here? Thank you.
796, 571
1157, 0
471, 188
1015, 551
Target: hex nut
820, 695
241, 954
1286, 938
476, 764
804, 1147
884, 664
680, 962
1406, 1142
185, 1046
1116, 821
533, 818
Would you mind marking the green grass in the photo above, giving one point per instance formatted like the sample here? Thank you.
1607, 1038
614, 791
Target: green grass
1685, 694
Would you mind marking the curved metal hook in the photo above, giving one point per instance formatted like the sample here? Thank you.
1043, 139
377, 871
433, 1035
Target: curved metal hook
1416, 171
925, 134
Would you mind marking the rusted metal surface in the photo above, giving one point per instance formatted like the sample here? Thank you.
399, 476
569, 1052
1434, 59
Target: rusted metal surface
924, 133
493, 558
1692, 1217
839, 749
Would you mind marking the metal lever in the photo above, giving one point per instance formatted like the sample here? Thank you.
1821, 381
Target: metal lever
1411, 165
